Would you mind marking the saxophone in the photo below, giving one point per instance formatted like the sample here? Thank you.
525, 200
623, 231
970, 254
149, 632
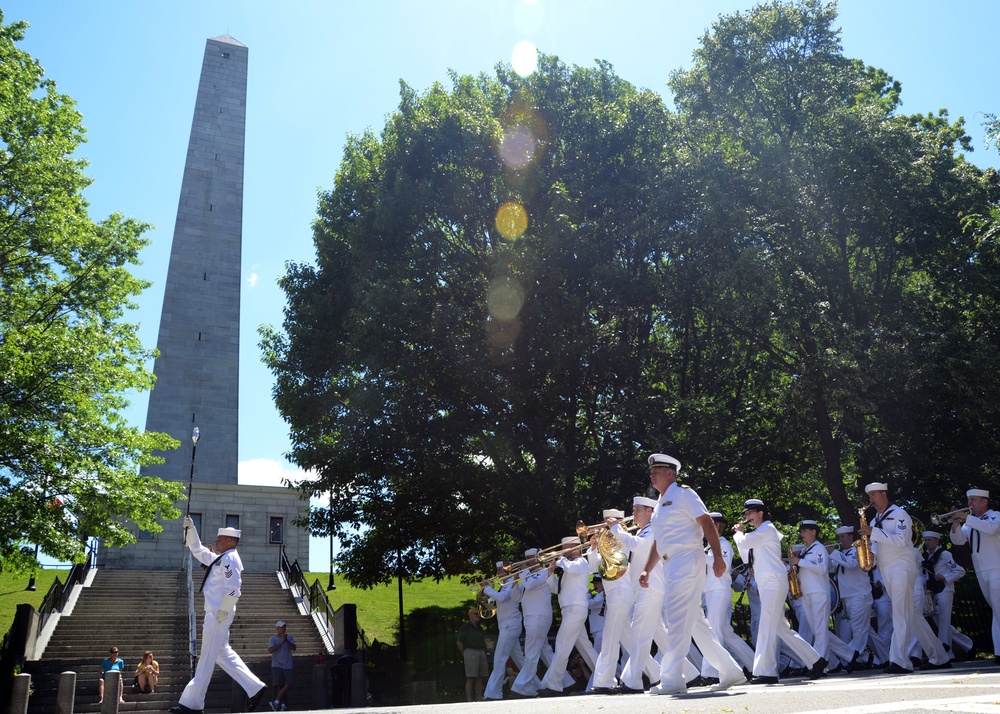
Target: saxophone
866, 559
614, 564
794, 586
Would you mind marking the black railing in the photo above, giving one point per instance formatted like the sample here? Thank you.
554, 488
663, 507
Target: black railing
313, 597
58, 594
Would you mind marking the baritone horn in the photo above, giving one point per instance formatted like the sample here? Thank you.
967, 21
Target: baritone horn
945, 519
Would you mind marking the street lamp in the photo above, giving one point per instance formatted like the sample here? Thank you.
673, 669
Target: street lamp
31, 581
331, 585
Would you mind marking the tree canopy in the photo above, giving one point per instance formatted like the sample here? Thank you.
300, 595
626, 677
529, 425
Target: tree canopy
523, 286
68, 460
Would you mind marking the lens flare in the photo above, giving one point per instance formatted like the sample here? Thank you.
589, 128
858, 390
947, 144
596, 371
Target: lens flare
524, 58
504, 299
517, 147
512, 220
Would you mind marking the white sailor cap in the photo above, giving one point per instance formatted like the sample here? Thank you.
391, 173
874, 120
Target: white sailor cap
613, 513
664, 460
230, 532
753, 504
643, 501
531, 552
716, 516
876, 486
981, 492
844, 530
931, 534
809, 524
500, 563
570, 540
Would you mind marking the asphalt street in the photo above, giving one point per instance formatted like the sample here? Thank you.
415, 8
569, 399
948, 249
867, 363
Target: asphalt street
967, 687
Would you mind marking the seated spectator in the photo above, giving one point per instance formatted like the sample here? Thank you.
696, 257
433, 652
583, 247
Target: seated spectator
109, 664
147, 673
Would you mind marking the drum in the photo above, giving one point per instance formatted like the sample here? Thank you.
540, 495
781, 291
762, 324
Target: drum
835, 604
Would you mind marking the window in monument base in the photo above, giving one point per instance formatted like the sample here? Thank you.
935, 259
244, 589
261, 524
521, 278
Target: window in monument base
145, 535
276, 532
232, 521
196, 517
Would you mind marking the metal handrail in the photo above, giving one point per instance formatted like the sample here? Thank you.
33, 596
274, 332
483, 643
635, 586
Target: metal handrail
55, 599
314, 598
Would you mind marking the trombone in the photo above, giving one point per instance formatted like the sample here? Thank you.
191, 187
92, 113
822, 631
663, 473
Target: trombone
944, 519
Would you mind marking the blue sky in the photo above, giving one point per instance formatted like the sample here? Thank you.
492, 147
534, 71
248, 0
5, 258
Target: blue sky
322, 69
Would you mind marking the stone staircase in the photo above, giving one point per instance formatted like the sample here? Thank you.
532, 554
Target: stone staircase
139, 610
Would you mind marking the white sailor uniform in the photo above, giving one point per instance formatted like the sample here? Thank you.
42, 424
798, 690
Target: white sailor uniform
507, 599
892, 544
983, 534
221, 590
762, 548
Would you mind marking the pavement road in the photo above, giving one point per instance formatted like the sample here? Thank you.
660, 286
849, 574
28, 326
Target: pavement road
967, 687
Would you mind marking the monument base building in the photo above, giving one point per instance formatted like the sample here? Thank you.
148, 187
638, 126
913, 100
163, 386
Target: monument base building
265, 514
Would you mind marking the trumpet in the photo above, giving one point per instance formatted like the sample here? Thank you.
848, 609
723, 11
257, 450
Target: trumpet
944, 519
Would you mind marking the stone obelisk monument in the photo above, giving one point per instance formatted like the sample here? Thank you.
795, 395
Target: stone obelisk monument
197, 371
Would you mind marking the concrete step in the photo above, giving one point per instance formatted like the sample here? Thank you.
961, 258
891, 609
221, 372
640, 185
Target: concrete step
105, 615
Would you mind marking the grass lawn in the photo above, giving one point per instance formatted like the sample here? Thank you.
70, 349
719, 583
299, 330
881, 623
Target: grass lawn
378, 608
13, 593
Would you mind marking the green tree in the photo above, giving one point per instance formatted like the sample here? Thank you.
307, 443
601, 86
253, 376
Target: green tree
68, 460
784, 283
464, 366
822, 250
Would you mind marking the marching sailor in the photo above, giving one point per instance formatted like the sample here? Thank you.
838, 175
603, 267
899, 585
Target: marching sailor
221, 589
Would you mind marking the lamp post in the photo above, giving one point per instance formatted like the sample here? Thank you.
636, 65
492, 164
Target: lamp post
31, 580
331, 585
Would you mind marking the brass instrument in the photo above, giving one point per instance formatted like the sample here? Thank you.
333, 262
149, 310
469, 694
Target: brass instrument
614, 563
945, 519
794, 586
917, 533
863, 546
487, 607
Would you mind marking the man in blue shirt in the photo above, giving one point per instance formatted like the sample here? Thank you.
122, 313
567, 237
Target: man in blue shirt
281, 646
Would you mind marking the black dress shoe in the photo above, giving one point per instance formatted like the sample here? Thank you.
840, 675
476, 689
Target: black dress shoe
698, 681
181, 709
544, 692
622, 689
916, 662
764, 680
894, 668
709, 681
929, 666
818, 669
599, 690
517, 695
854, 664
253, 701
748, 674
